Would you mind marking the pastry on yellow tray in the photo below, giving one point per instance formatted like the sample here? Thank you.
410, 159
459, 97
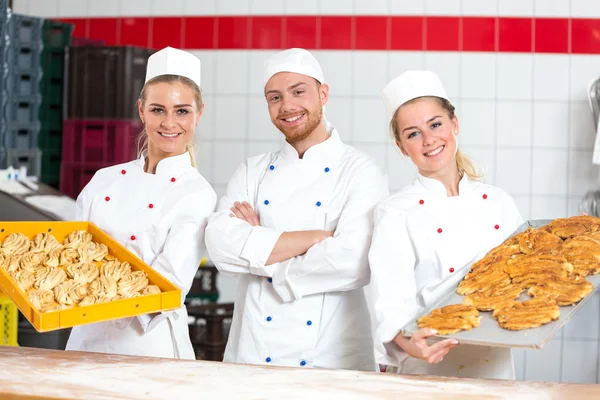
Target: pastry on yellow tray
16, 244
12, 263
68, 256
132, 283
103, 286
41, 298
536, 240
574, 226
151, 289
528, 314
44, 243
49, 277
91, 299
566, 291
451, 319
53, 257
495, 297
76, 239
115, 270
31, 261
92, 252
24, 279
70, 292
83, 272
484, 278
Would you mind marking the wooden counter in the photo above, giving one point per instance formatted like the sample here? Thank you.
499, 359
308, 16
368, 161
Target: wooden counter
27, 373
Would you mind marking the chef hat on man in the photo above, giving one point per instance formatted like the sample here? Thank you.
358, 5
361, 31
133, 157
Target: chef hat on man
409, 86
170, 61
298, 61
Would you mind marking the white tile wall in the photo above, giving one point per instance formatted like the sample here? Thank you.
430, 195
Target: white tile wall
524, 119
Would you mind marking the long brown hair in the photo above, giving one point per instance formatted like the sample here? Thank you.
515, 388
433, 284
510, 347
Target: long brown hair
464, 163
143, 137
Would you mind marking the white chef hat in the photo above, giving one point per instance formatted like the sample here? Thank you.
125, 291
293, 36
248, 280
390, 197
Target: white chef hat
409, 86
299, 61
170, 61
295, 60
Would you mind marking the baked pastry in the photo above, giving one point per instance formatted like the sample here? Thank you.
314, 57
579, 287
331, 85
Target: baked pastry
76, 239
528, 314
132, 283
535, 240
151, 289
92, 252
115, 270
83, 273
32, 261
70, 292
583, 252
44, 243
495, 297
49, 277
41, 298
535, 266
451, 319
16, 244
574, 226
23, 279
497, 255
91, 299
564, 290
68, 256
53, 257
484, 278
54, 307
12, 263
103, 286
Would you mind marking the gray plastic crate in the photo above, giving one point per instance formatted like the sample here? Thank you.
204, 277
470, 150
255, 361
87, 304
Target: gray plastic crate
22, 136
23, 82
32, 159
22, 109
24, 57
25, 30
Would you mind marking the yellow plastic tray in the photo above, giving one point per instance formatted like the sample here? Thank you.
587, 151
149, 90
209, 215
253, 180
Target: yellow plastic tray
168, 299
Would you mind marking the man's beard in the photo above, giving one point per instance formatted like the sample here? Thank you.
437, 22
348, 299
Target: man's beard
301, 132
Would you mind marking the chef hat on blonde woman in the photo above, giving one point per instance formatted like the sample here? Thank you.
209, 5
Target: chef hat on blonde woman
298, 61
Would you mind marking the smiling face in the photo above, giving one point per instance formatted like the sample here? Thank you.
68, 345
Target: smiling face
426, 133
170, 111
295, 104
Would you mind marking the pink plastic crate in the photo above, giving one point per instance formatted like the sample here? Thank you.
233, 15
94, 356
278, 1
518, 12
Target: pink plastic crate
74, 176
100, 141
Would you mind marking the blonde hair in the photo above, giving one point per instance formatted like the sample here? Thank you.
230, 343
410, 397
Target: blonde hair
465, 165
143, 137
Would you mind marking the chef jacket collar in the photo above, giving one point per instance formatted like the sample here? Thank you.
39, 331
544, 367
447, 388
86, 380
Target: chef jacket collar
166, 166
436, 187
330, 150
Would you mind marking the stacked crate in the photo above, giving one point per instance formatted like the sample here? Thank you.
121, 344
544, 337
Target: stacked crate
22, 93
56, 36
102, 121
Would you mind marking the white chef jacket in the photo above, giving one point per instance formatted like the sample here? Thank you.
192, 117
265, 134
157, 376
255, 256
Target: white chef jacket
424, 243
310, 310
161, 218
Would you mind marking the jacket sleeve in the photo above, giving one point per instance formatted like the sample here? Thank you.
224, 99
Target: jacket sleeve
235, 246
393, 288
338, 263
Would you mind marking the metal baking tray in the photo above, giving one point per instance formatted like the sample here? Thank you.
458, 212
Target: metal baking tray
489, 333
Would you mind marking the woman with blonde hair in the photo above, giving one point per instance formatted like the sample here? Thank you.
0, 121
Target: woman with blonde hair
157, 207
428, 234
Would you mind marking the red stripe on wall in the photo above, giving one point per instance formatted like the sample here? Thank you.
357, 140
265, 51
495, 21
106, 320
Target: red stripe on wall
381, 32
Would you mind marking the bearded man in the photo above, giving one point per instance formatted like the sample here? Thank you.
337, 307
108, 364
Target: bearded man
295, 227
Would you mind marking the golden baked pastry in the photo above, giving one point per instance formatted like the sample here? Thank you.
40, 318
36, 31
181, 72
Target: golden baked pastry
32, 261
495, 297
528, 314
484, 278
44, 243
574, 226
499, 254
12, 263
92, 251
151, 289
70, 292
76, 239
68, 256
23, 279
53, 257
49, 277
54, 307
103, 286
132, 283
41, 298
91, 299
583, 252
83, 272
115, 270
535, 240
538, 264
451, 319
564, 290
16, 244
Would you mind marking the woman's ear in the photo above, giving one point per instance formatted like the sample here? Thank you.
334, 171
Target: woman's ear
404, 153
141, 111
455, 126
